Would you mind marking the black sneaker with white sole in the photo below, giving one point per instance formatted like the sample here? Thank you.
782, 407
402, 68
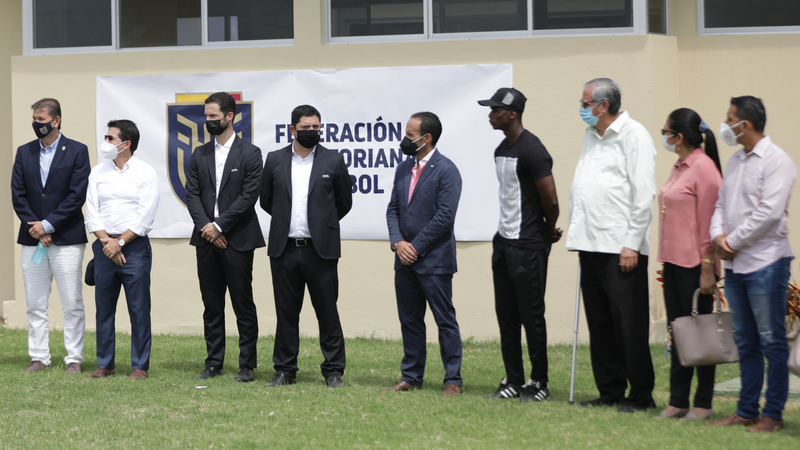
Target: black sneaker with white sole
507, 390
534, 391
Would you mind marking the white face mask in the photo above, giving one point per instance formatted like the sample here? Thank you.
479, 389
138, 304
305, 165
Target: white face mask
109, 150
727, 134
667, 147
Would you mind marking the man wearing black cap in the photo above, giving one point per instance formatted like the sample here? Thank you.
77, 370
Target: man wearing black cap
527, 228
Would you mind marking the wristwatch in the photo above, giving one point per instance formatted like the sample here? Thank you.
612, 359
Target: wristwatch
121, 242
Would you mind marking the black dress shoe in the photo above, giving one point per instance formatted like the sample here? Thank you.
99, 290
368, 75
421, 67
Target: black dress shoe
632, 408
281, 379
334, 380
209, 372
245, 375
600, 402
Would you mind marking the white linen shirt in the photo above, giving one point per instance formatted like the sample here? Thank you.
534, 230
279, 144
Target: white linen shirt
301, 179
119, 200
753, 206
611, 197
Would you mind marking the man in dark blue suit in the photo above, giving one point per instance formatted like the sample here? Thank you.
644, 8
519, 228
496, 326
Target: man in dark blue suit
421, 215
48, 189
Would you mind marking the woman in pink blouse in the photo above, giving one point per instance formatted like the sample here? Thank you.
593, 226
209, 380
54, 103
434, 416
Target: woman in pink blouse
685, 206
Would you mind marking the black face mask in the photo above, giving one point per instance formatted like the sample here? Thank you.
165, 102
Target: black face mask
308, 138
215, 127
42, 129
408, 147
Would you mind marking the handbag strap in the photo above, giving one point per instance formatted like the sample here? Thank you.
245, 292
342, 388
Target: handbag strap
696, 296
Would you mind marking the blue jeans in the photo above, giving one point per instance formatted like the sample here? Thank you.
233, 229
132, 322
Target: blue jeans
758, 308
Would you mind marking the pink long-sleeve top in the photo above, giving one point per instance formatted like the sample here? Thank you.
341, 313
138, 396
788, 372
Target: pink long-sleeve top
685, 207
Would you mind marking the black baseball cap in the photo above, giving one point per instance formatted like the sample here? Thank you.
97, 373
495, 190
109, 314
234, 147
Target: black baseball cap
508, 98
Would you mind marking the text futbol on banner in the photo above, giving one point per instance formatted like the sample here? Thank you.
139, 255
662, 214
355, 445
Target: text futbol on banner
364, 113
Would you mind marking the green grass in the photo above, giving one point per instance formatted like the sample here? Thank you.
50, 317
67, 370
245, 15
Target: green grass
50, 409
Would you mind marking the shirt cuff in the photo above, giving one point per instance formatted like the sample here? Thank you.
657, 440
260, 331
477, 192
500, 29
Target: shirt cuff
48, 228
632, 242
218, 227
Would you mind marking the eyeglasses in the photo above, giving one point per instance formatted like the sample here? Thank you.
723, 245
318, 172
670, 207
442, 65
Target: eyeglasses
109, 137
668, 132
585, 104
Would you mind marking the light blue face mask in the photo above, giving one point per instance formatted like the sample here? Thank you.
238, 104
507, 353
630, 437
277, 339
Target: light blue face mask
586, 115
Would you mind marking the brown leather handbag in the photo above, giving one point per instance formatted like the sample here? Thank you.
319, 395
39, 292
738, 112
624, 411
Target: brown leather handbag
704, 339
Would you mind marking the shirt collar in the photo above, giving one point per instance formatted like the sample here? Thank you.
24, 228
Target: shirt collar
125, 166
427, 157
690, 159
51, 146
762, 146
294, 153
617, 124
226, 145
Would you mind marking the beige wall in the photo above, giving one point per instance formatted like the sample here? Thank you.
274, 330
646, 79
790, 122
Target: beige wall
10, 45
550, 71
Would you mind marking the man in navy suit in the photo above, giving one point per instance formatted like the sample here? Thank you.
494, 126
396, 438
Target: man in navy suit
48, 189
421, 215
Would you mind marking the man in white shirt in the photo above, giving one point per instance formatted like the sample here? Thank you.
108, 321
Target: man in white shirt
609, 225
121, 206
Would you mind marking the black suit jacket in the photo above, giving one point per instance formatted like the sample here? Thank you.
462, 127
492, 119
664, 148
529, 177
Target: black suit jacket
62, 197
330, 197
238, 193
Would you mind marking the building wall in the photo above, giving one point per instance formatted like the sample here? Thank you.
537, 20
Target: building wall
10, 45
656, 73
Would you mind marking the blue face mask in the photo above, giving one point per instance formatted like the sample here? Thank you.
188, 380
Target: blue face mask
586, 115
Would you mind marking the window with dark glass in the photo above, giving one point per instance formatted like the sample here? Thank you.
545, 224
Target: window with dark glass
748, 13
159, 23
568, 14
71, 23
376, 17
657, 16
249, 20
466, 16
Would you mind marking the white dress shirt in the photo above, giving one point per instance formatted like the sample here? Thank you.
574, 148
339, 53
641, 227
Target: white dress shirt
613, 189
220, 157
119, 200
301, 178
753, 206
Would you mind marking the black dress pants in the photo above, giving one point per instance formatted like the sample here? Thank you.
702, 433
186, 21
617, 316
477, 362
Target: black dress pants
295, 269
618, 314
219, 270
520, 278
679, 286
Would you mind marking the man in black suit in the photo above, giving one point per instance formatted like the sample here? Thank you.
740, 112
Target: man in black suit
221, 193
48, 190
307, 190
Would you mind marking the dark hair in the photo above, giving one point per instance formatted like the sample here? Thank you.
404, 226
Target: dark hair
429, 123
752, 110
304, 111
606, 90
127, 131
52, 106
688, 123
224, 100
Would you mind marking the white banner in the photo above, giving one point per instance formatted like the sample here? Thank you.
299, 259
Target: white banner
364, 113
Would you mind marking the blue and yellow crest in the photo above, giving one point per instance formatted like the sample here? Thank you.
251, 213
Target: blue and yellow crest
186, 131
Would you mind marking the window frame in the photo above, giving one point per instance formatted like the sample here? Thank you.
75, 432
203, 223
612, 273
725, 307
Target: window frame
29, 50
639, 28
736, 31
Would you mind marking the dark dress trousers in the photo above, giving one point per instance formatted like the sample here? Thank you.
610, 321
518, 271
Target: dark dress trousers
426, 221
60, 200
231, 268
330, 198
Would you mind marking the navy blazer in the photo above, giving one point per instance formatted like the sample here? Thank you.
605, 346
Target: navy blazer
427, 220
238, 193
62, 197
330, 197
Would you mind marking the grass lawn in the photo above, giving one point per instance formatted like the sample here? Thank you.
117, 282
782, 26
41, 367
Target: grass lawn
50, 409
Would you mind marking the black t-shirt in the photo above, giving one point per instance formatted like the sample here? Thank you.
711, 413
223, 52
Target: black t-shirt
518, 167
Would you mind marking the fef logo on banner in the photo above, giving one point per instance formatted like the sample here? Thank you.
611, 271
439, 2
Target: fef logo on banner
186, 130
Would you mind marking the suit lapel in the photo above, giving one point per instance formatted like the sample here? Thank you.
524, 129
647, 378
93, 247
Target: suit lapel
36, 150
287, 169
211, 162
59, 153
317, 166
234, 155
426, 171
